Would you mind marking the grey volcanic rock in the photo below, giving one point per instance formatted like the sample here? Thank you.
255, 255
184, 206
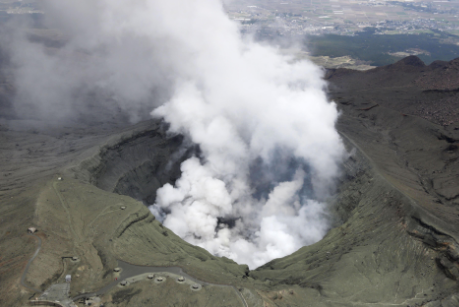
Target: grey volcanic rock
138, 164
395, 243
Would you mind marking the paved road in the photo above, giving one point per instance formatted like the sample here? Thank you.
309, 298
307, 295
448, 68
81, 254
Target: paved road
28, 265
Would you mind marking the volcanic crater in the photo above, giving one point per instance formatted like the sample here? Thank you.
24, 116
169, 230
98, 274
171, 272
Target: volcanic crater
394, 242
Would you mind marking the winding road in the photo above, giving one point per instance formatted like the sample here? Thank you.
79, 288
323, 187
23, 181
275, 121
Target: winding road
130, 271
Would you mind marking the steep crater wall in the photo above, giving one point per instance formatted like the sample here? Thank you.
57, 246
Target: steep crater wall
137, 163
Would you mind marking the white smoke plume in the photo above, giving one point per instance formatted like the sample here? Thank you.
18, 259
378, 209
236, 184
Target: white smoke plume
242, 102
269, 149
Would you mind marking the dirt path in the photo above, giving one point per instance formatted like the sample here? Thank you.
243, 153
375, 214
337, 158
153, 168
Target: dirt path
28, 265
64, 206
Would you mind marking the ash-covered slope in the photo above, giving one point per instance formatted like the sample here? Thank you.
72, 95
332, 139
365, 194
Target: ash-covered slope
397, 203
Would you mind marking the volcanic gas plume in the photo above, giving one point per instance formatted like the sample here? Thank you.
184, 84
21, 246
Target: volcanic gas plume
268, 149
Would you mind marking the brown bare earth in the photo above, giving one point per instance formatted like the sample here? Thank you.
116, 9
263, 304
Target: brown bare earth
397, 207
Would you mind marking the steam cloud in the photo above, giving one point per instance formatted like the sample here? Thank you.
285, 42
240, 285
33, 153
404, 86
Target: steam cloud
269, 149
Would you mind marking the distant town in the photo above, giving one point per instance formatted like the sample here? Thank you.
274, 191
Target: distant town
347, 17
19, 7
434, 22
316, 17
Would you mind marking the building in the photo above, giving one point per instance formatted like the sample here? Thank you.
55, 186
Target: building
68, 278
